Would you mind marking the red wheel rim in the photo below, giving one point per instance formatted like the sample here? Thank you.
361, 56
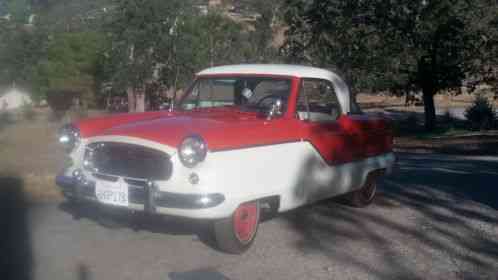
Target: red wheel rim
245, 221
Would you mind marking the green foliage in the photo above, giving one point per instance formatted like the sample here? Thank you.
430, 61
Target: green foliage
20, 49
138, 29
401, 44
81, 45
200, 42
261, 37
6, 118
61, 50
326, 34
19, 10
168, 41
71, 63
72, 15
60, 101
481, 114
20, 45
404, 43
28, 111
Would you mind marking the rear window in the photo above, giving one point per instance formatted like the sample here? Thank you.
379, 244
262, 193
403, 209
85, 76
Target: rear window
354, 107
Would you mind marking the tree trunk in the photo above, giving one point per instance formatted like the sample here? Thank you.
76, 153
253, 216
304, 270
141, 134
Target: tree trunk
175, 88
131, 99
140, 102
429, 109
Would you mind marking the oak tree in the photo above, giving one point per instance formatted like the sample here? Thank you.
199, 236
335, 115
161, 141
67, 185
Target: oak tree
422, 45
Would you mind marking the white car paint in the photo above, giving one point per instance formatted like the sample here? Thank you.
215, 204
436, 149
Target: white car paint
295, 172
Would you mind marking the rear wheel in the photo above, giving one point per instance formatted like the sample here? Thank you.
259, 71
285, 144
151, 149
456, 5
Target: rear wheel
235, 234
366, 194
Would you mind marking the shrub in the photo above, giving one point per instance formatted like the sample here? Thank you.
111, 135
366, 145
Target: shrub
5, 118
481, 114
28, 112
447, 118
449, 121
60, 101
411, 121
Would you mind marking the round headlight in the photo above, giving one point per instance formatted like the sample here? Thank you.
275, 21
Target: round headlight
69, 137
192, 151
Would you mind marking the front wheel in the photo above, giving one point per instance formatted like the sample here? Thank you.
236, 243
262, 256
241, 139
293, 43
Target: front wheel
236, 234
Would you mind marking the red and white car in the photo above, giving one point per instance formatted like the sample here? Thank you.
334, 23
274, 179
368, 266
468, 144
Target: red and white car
242, 140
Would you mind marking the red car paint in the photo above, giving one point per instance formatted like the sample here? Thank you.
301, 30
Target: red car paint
352, 137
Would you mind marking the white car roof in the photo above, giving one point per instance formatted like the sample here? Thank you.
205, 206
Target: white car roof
269, 69
299, 71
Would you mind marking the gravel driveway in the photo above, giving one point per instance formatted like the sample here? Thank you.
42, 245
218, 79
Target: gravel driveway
435, 218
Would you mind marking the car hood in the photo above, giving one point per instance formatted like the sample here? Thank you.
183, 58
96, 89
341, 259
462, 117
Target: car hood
220, 130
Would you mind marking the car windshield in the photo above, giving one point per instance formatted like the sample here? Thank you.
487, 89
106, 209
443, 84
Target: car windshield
248, 93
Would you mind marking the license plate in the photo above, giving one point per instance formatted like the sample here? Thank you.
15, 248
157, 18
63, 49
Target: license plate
114, 193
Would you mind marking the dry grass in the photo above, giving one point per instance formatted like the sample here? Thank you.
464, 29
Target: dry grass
481, 143
29, 151
441, 101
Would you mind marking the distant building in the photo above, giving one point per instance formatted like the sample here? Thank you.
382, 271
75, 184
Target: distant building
13, 98
214, 3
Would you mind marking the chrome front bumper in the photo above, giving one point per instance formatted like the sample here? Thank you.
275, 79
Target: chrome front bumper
146, 198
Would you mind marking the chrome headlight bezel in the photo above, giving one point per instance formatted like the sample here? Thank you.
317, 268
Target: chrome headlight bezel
192, 151
69, 137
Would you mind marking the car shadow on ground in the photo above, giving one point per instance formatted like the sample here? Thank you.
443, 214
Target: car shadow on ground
116, 218
16, 257
204, 274
437, 211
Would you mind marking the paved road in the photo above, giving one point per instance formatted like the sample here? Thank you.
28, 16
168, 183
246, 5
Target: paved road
436, 218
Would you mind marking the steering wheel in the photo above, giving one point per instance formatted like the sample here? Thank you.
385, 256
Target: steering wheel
271, 96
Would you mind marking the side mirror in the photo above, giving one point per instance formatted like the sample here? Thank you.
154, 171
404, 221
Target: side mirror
275, 109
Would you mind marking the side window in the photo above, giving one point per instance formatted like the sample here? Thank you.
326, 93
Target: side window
318, 101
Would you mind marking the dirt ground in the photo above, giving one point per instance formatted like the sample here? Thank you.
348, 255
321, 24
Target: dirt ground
465, 144
435, 217
29, 150
442, 101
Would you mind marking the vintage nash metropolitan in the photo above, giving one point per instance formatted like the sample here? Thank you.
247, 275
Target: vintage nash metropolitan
243, 140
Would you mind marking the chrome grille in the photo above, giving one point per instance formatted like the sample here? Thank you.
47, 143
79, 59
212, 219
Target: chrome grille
127, 160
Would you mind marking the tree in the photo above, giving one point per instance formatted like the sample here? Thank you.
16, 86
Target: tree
20, 46
19, 10
43, 54
402, 44
139, 28
166, 42
72, 15
268, 18
69, 64
200, 42
10, 23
